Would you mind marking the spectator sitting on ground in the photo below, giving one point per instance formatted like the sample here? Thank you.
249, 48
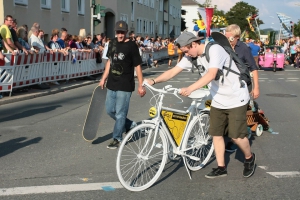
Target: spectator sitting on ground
152, 63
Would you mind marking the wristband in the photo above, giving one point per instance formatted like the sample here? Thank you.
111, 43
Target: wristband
153, 81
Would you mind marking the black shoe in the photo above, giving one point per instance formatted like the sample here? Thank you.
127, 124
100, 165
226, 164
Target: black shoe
249, 167
114, 144
216, 172
231, 147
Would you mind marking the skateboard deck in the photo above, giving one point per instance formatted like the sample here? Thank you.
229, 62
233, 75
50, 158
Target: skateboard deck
94, 113
221, 39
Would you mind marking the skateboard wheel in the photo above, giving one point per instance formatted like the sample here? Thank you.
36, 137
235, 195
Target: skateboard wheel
259, 130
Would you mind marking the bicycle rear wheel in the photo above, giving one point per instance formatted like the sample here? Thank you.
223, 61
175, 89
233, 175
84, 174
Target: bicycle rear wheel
141, 160
197, 142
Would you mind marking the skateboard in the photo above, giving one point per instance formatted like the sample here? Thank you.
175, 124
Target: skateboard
94, 113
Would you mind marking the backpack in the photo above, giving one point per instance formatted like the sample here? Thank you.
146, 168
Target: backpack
244, 73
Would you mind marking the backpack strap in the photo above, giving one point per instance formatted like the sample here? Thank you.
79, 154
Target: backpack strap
206, 54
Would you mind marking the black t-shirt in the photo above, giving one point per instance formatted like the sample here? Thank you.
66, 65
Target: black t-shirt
123, 59
14, 35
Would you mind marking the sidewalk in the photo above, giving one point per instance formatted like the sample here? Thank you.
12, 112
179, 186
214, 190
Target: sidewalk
31, 93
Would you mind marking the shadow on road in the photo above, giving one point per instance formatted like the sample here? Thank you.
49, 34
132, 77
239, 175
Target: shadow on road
28, 113
16, 144
102, 139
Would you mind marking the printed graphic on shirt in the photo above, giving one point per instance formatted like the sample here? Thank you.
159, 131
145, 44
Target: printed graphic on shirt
117, 70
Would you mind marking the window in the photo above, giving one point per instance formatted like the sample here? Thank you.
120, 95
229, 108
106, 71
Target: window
81, 7
21, 2
140, 1
161, 5
132, 12
152, 3
160, 28
124, 17
146, 2
156, 17
139, 25
65, 5
46, 4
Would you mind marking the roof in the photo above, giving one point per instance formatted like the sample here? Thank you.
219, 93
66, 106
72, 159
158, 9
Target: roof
189, 2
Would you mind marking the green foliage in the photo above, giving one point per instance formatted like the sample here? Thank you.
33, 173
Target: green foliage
238, 14
297, 28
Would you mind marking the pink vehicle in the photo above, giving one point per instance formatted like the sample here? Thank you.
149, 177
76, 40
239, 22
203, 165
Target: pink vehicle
272, 57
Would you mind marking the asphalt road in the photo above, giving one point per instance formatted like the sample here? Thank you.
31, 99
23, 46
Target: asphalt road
41, 145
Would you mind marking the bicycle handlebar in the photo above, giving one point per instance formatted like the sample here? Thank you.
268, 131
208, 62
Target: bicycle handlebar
168, 89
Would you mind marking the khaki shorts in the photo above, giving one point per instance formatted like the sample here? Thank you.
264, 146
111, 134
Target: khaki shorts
233, 120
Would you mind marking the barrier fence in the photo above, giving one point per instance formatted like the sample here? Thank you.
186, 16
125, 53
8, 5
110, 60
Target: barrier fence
25, 70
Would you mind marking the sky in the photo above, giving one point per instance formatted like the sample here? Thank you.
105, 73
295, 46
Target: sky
267, 10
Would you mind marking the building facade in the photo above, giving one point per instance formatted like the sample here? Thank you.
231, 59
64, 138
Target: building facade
191, 8
50, 14
144, 17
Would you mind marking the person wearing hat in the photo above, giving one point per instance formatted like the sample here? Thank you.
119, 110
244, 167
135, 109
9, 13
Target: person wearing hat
229, 102
123, 58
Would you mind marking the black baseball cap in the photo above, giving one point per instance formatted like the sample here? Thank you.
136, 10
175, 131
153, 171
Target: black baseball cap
121, 26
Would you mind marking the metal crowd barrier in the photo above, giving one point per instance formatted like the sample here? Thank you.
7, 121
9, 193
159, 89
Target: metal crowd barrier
25, 70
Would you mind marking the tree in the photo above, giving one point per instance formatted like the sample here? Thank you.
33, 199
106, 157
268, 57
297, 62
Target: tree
297, 28
238, 14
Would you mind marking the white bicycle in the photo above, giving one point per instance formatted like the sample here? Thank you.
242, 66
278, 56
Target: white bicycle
169, 133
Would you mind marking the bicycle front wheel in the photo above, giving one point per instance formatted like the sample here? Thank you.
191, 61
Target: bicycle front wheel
197, 142
141, 160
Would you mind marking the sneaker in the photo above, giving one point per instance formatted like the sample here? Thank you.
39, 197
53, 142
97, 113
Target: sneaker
249, 167
114, 144
216, 172
231, 147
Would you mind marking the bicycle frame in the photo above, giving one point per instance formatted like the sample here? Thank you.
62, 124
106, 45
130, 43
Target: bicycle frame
194, 110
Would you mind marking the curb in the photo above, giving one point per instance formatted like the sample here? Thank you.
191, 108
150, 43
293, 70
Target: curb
45, 93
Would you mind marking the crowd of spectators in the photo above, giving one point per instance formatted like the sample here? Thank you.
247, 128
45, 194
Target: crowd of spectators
16, 39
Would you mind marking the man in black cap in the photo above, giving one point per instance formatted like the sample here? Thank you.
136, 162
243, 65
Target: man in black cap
229, 103
124, 58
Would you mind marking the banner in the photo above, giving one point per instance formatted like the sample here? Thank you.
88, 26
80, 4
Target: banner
272, 38
209, 15
285, 25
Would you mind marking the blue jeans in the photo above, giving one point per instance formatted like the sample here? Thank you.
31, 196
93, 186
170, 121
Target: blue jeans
117, 105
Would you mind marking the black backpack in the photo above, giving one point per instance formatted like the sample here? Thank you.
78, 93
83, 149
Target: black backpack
244, 73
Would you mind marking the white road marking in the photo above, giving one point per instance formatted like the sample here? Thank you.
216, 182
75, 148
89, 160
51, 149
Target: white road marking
263, 78
292, 78
291, 174
57, 188
263, 167
280, 78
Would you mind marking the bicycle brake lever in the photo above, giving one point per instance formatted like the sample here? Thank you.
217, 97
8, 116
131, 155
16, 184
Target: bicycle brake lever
176, 94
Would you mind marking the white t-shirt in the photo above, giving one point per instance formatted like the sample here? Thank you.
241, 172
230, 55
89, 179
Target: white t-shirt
35, 41
225, 95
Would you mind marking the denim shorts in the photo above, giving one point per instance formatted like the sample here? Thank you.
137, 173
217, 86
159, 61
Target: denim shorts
233, 120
